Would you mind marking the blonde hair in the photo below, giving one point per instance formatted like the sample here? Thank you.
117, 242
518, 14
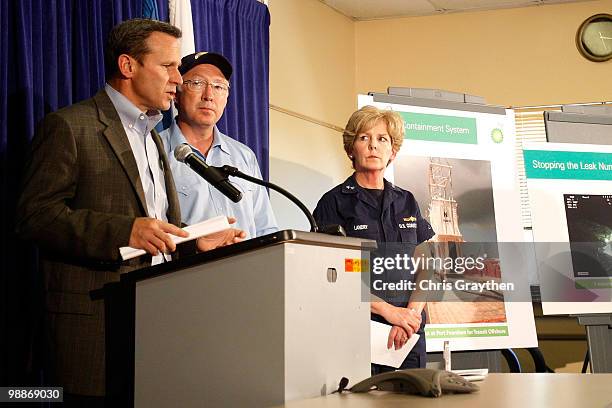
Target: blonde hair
366, 118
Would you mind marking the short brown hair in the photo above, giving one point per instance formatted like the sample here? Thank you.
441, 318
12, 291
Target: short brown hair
366, 118
130, 37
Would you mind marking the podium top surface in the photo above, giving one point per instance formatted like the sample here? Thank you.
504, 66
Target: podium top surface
277, 238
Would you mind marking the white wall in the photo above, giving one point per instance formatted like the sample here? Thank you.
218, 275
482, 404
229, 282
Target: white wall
312, 72
320, 60
512, 57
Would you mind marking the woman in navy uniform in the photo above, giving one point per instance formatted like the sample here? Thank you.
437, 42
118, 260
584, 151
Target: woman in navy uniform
368, 206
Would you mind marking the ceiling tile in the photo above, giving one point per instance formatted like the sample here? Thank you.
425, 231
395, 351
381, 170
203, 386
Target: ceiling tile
366, 9
464, 5
376, 9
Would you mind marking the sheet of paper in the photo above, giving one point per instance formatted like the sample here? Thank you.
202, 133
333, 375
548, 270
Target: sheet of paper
198, 230
475, 374
379, 334
472, 371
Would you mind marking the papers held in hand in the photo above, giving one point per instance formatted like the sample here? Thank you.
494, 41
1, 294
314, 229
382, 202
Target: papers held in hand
198, 230
379, 333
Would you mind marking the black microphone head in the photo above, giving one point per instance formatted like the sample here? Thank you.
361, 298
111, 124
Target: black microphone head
181, 152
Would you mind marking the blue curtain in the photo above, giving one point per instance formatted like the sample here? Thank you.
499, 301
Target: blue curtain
52, 56
239, 30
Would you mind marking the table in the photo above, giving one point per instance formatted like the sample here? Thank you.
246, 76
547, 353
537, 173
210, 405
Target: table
497, 390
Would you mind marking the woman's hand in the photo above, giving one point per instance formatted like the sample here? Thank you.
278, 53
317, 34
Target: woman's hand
397, 337
407, 319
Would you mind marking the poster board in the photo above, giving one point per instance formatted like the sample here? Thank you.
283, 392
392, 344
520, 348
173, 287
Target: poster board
570, 191
478, 146
582, 128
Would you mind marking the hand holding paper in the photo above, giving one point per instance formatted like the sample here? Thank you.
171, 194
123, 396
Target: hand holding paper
221, 238
379, 335
153, 230
397, 338
153, 235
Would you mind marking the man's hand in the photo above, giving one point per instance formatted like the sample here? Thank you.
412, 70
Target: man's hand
151, 235
221, 238
408, 319
397, 337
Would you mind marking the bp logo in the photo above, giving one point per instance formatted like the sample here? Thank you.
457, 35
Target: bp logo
497, 135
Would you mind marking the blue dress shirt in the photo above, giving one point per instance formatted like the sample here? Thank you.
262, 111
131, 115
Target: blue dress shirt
138, 126
200, 200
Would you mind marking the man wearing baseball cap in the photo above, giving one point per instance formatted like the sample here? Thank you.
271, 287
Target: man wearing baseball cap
200, 102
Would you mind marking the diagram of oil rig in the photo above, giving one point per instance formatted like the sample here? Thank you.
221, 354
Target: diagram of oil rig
443, 207
449, 242
442, 212
444, 219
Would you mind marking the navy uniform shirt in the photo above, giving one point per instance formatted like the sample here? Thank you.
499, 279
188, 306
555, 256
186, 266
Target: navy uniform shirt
361, 215
396, 219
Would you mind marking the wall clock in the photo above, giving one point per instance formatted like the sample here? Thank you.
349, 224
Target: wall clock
594, 38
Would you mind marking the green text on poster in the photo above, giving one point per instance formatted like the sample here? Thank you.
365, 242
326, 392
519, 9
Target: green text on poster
440, 128
546, 164
465, 332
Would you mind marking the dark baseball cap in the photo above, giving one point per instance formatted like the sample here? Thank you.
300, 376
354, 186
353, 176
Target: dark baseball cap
218, 60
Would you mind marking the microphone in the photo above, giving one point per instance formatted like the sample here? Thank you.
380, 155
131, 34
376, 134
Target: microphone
185, 154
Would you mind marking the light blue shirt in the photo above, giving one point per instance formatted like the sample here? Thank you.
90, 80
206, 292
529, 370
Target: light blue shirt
200, 200
138, 126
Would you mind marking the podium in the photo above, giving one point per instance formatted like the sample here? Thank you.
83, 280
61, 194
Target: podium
259, 323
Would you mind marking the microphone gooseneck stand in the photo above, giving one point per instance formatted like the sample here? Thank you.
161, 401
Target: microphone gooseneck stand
233, 171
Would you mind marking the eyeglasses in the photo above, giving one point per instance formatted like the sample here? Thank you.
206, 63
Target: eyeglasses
198, 85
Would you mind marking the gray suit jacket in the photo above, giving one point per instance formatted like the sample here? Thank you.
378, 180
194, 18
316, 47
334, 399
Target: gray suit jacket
81, 194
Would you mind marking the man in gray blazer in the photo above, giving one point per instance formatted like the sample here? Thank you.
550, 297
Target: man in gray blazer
97, 180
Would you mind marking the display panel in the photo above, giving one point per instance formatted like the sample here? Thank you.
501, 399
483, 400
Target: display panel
460, 165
